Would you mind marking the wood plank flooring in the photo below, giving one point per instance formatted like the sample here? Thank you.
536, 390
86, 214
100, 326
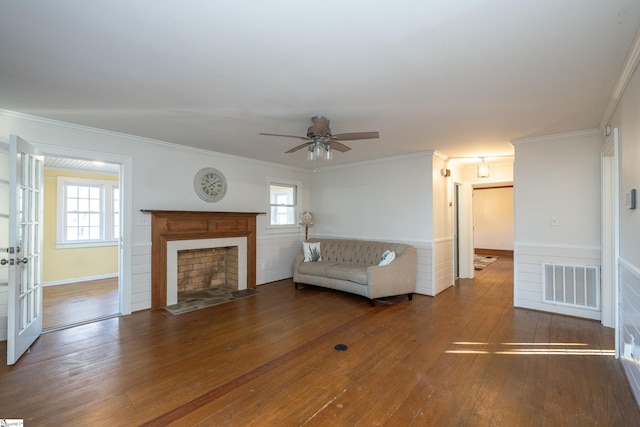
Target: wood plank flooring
79, 302
465, 357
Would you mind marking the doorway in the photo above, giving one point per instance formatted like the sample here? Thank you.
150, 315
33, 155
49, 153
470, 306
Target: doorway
493, 219
81, 253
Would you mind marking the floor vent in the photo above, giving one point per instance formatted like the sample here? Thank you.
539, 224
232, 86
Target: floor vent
571, 285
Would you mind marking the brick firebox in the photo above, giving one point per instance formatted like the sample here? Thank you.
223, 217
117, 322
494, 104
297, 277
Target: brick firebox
206, 268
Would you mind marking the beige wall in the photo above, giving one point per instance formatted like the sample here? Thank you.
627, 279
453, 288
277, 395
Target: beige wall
493, 218
71, 264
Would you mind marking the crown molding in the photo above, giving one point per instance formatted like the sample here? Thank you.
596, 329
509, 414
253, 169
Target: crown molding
376, 161
13, 115
567, 135
626, 73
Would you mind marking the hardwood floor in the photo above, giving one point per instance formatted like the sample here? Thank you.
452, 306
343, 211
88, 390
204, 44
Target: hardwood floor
465, 357
79, 302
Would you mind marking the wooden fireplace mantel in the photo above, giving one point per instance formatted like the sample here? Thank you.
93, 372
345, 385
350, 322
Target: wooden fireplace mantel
189, 225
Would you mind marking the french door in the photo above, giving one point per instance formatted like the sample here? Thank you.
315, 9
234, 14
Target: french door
24, 248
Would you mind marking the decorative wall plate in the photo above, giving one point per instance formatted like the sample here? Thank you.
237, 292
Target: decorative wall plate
210, 185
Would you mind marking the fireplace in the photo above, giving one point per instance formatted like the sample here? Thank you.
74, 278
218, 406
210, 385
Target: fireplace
198, 249
173, 231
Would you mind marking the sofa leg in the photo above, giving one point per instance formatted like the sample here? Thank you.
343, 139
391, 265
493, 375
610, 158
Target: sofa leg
410, 295
372, 302
298, 285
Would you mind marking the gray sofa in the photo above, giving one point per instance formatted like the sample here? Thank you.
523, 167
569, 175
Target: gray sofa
352, 266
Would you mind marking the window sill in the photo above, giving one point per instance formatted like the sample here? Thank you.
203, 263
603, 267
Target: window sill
282, 229
85, 245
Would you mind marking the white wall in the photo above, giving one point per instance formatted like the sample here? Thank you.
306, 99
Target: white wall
626, 118
161, 177
388, 200
555, 178
384, 200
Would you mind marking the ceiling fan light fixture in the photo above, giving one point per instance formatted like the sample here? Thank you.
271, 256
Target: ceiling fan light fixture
321, 142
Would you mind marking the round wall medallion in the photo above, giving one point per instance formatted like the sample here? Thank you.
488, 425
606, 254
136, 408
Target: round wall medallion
210, 184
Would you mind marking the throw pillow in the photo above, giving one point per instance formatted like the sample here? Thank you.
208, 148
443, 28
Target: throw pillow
387, 257
311, 251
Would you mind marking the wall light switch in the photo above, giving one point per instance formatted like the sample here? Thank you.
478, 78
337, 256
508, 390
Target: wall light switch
554, 221
143, 220
630, 199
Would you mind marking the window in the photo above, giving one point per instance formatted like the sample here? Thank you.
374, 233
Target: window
116, 211
83, 212
283, 203
88, 212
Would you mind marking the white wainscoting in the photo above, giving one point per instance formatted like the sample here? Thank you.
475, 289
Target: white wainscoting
424, 280
629, 333
141, 277
528, 260
442, 264
275, 255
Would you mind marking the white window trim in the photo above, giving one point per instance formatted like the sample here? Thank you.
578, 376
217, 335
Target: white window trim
107, 198
288, 227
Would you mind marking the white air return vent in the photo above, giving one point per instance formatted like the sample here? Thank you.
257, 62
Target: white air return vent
571, 285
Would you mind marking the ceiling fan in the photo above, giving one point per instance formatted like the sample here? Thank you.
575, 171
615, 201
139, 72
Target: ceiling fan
321, 142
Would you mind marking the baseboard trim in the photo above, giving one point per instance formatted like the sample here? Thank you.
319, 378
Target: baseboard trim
80, 279
497, 252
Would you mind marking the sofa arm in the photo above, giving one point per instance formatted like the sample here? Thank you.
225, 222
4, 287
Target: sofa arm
296, 264
396, 278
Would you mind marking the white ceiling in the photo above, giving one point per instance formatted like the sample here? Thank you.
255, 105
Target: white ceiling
462, 77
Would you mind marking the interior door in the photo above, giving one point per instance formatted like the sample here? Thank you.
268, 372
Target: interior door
4, 232
26, 178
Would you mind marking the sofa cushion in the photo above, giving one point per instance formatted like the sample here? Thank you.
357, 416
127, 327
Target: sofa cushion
352, 273
318, 268
359, 276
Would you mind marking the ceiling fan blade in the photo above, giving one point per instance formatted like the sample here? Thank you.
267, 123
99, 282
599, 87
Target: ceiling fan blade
356, 135
299, 147
335, 145
285, 136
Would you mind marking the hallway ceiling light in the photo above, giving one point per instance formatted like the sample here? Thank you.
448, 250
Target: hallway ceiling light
483, 169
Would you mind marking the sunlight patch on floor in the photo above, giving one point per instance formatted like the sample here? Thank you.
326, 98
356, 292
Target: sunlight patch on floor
551, 349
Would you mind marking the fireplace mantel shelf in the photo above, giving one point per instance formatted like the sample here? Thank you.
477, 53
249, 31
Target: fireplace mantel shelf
220, 213
169, 225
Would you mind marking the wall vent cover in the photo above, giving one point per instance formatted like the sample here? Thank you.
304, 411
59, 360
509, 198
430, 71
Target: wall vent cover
571, 285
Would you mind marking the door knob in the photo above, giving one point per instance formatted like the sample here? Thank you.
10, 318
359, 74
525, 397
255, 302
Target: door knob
10, 261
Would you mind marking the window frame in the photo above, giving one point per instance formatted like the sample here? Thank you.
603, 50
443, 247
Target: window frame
297, 185
107, 237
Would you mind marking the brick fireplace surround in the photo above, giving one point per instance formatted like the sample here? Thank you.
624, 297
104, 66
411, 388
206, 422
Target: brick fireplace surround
189, 225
